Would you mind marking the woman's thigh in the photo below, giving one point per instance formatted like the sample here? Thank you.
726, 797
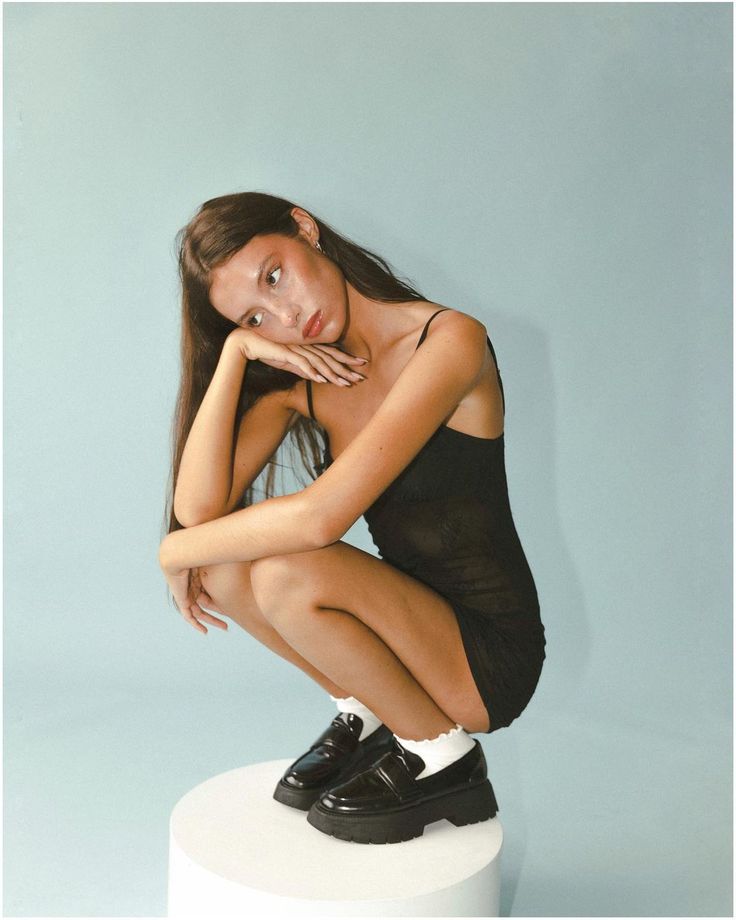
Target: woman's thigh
412, 619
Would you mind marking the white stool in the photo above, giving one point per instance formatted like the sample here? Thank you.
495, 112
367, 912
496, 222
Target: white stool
236, 852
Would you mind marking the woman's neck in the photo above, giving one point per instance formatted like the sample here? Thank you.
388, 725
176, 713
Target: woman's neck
374, 327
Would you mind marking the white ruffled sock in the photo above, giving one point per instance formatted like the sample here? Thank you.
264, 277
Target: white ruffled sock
349, 704
438, 753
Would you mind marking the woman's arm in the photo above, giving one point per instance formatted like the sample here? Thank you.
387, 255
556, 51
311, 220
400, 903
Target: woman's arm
211, 481
205, 472
434, 381
430, 387
280, 525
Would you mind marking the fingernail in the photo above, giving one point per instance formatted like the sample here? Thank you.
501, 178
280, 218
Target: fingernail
320, 377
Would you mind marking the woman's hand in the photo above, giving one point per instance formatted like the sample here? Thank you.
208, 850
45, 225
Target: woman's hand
189, 596
316, 362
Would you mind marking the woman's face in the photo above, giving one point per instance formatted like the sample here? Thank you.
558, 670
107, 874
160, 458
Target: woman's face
276, 285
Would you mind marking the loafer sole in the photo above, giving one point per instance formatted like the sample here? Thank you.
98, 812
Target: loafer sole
461, 806
303, 799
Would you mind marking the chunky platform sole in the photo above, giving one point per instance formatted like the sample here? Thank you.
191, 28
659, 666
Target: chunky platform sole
303, 799
460, 806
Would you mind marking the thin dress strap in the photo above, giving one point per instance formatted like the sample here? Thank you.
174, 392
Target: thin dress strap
498, 374
309, 399
426, 326
327, 451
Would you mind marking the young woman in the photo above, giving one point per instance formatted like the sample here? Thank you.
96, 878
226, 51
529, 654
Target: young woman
438, 638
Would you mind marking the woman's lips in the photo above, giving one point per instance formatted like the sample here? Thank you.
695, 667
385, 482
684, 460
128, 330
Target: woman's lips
314, 325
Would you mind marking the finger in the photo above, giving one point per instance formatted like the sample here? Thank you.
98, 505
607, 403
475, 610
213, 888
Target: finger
193, 621
337, 363
220, 624
190, 611
332, 369
201, 614
338, 353
305, 367
204, 600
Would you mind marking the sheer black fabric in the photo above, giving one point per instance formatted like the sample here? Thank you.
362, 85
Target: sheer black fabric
446, 520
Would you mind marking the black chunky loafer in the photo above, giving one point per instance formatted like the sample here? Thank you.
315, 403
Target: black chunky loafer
387, 804
333, 757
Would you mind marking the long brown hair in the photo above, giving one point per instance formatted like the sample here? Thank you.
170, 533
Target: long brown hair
220, 228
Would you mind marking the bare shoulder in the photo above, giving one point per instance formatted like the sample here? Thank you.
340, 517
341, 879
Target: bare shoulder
467, 338
452, 327
460, 323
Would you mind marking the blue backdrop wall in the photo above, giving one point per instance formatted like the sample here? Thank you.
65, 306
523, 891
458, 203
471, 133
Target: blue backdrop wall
560, 171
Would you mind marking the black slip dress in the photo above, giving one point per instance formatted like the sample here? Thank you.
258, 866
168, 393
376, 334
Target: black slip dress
446, 521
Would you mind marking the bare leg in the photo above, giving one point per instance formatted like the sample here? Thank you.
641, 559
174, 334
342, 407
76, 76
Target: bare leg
351, 652
229, 587
387, 638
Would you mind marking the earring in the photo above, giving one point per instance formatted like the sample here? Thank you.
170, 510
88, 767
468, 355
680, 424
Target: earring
318, 246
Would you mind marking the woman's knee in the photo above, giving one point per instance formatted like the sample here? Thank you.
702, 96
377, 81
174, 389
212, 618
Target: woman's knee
225, 580
274, 579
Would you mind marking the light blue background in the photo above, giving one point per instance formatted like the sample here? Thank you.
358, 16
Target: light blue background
560, 171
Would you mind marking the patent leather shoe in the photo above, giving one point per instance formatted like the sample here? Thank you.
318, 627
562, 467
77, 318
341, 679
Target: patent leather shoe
386, 803
334, 756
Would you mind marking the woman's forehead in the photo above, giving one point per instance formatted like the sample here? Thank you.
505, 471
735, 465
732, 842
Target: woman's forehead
242, 270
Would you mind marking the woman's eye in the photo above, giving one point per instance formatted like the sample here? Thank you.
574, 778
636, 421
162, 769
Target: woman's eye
271, 274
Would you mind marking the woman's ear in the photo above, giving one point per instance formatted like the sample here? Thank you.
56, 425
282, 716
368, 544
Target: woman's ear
307, 226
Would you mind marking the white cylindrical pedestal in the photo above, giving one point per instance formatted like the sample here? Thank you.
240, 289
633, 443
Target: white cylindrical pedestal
236, 852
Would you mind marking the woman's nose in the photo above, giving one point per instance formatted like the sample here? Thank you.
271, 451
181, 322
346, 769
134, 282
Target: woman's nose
290, 318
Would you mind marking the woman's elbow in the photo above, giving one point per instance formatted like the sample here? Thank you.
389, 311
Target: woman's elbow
322, 520
191, 517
